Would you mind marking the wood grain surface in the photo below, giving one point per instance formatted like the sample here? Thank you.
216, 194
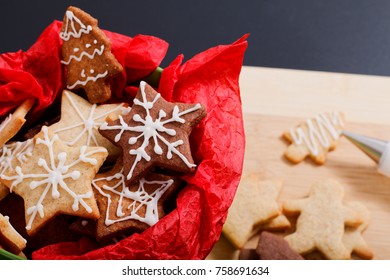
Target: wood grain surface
275, 100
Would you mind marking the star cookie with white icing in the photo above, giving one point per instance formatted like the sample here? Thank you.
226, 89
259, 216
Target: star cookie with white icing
80, 121
129, 207
154, 133
86, 54
55, 180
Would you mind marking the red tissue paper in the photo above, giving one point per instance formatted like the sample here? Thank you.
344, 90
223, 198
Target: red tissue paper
218, 142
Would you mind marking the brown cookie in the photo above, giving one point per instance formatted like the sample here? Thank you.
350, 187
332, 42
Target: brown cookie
154, 133
86, 54
274, 247
131, 207
55, 180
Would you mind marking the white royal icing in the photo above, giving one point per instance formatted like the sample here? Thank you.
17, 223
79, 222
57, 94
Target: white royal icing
57, 173
140, 198
90, 124
97, 51
88, 79
70, 27
318, 131
150, 129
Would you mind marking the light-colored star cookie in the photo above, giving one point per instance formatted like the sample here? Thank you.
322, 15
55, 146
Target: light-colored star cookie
55, 180
322, 220
255, 203
80, 121
314, 137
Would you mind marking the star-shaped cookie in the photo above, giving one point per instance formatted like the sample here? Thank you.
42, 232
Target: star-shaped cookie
134, 206
56, 179
255, 203
80, 121
154, 133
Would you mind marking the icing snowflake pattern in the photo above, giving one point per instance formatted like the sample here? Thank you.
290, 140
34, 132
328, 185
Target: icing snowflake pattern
150, 129
57, 171
89, 124
140, 198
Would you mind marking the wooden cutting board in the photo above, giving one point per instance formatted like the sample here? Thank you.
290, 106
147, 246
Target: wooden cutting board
275, 100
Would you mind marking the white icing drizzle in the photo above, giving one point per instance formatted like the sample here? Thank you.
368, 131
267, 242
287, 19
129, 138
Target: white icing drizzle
88, 79
89, 124
139, 198
96, 51
20, 151
151, 129
70, 27
57, 174
318, 131
5, 122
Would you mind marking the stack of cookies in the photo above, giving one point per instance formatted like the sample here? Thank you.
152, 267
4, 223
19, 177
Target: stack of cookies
110, 166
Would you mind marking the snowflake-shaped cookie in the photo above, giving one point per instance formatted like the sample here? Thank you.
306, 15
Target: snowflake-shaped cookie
154, 133
134, 206
80, 121
56, 179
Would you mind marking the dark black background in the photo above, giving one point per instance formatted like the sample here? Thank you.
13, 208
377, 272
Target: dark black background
351, 36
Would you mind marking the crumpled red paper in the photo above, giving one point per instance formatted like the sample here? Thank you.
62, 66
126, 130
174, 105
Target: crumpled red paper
218, 143
37, 73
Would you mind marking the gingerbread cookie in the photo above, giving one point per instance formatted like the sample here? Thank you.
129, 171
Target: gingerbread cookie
129, 207
255, 203
86, 54
10, 239
14, 121
56, 179
322, 220
154, 133
80, 121
314, 138
353, 239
